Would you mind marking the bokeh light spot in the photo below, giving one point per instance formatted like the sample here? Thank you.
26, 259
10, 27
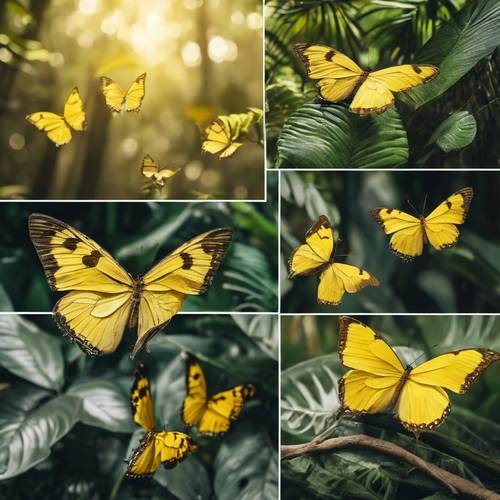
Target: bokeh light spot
5, 55
193, 4
88, 7
238, 18
193, 170
210, 178
254, 21
241, 192
191, 54
129, 146
17, 141
56, 59
86, 40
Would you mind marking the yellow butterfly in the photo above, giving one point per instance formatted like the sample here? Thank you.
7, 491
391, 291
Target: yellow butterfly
317, 255
158, 176
168, 448
221, 135
104, 298
439, 228
211, 415
57, 127
117, 99
378, 379
371, 91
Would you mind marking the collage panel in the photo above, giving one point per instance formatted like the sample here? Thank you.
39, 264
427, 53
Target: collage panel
203, 402
390, 242
389, 407
378, 84
140, 237
131, 100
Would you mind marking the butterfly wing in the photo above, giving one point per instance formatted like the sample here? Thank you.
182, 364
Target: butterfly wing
95, 313
169, 448
222, 408
338, 75
113, 94
407, 239
338, 278
53, 125
441, 224
189, 270
307, 259
375, 94
375, 373
74, 113
141, 399
196, 391
423, 404
149, 167
135, 94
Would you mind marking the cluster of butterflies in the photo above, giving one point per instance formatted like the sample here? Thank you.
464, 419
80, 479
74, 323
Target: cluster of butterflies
104, 298
371, 92
58, 127
409, 234
378, 379
211, 415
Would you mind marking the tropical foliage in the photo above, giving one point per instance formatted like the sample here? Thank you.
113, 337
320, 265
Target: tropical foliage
66, 427
140, 234
449, 122
465, 278
466, 444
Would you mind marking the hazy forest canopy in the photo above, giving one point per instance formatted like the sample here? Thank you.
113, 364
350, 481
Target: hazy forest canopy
203, 59
465, 278
139, 235
466, 444
68, 429
449, 122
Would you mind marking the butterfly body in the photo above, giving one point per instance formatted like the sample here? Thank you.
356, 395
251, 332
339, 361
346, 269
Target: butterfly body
155, 448
104, 299
377, 379
371, 92
439, 228
316, 256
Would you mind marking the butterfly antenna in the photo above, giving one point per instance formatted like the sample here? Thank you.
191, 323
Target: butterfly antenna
412, 206
425, 203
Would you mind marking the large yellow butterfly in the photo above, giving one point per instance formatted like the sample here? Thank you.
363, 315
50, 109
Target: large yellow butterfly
168, 448
152, 170
220, 137
117, 99
378, 379
104, 298
371, 91
439, 228
212, 415
58, 127
317, 255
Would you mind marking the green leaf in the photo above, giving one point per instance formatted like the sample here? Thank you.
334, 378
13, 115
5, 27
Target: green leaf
309, 395
246, 466
30, 353
5, 303
104, 405
457, 47
456, 132
263, 329
188, 480
323, 135
35, 430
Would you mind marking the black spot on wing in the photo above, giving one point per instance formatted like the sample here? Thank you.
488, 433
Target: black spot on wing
416, 69
187, 261
91, 260
71, 243
329, 55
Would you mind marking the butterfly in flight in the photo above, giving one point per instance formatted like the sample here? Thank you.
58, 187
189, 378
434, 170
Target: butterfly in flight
377, 379
104, 298
439, 228
158, 175
212, 415
317, 256
372, 92
58, 127
117, 100
155, 448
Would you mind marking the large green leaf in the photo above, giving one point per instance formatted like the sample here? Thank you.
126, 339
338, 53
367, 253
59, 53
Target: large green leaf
246, 466
105, 405
309, 395
33, 430
456, 132
263, 329
323, 135
30, 353
457, 47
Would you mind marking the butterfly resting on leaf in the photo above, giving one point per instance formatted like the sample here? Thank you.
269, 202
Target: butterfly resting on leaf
167, 448
377, 379
372, 92
103, 297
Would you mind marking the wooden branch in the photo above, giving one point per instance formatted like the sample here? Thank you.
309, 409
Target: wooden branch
456, 484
